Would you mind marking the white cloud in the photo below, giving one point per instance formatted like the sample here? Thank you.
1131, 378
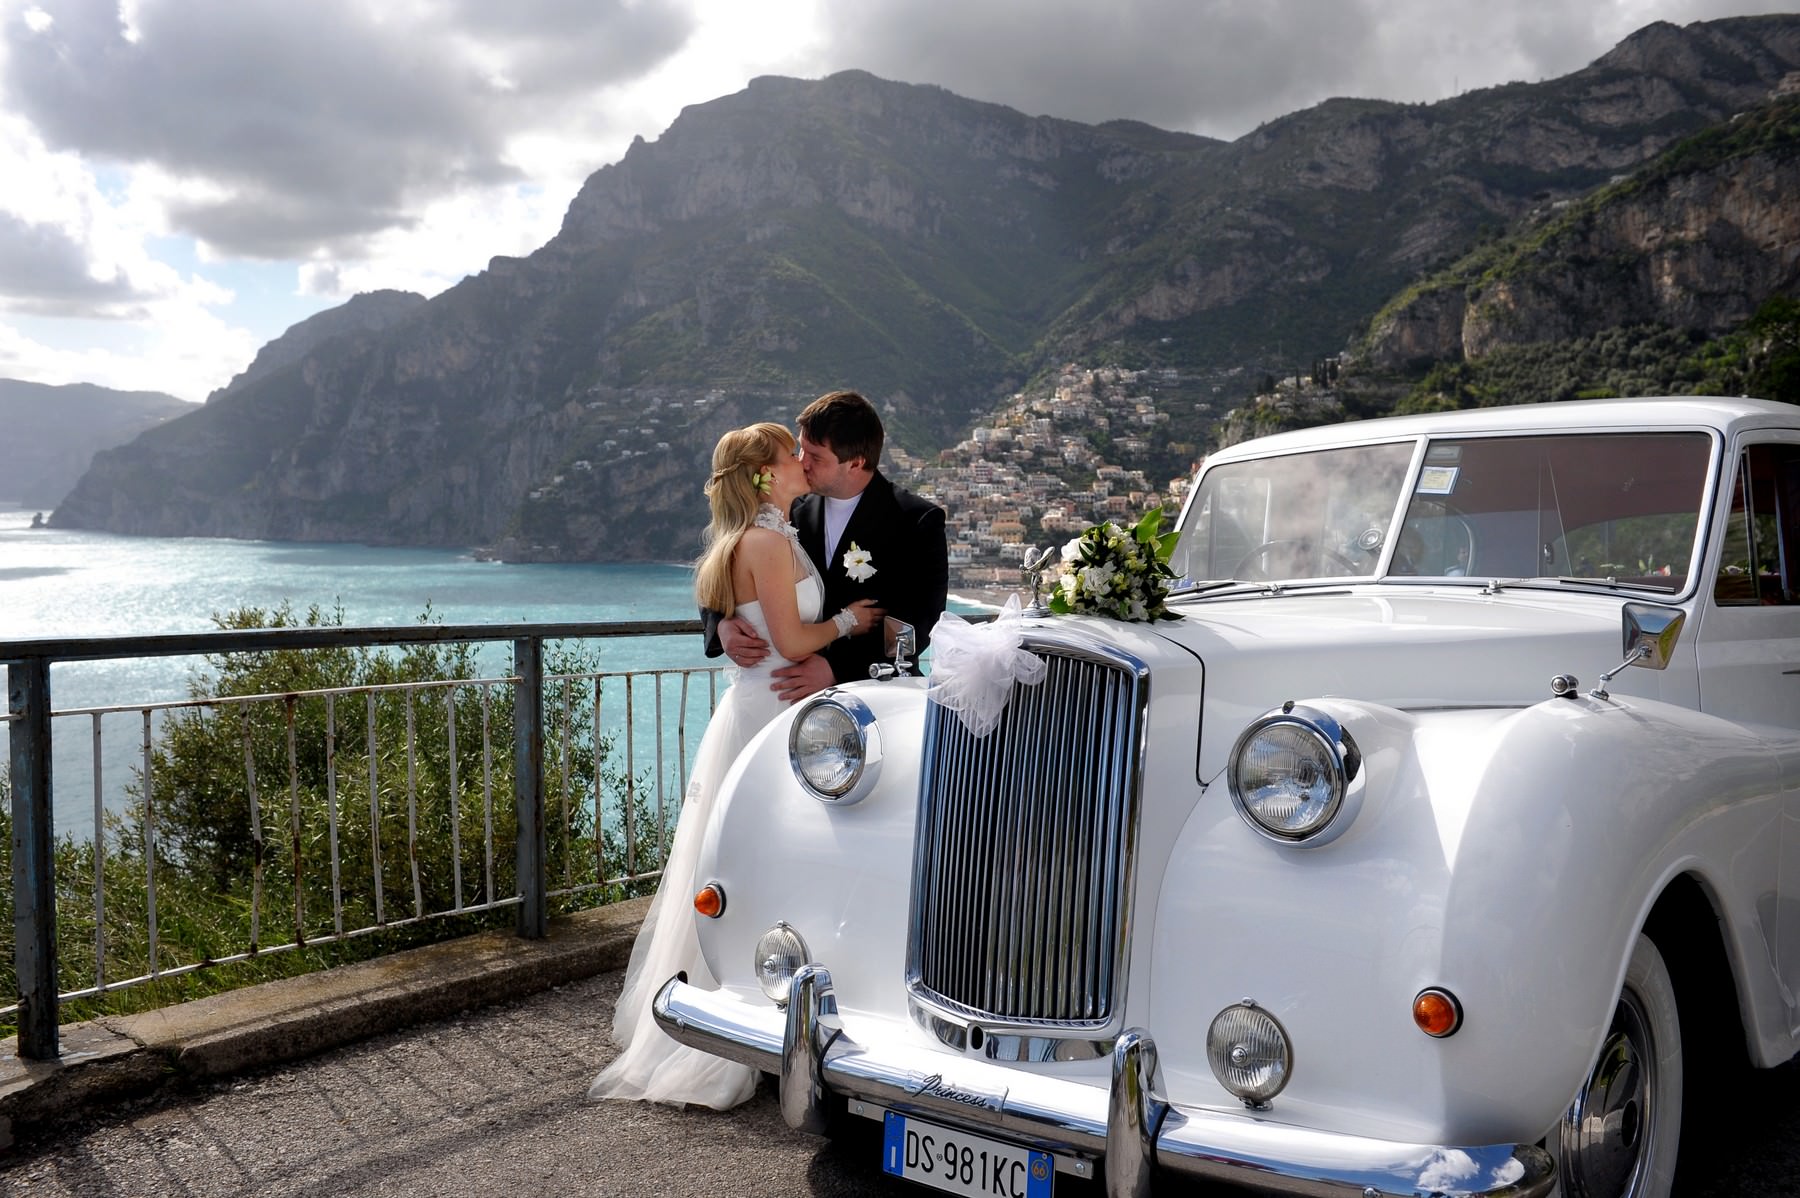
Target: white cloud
450, 240
1220, 67
326, 122
153, 147
67, 248
182, 349
1446, 1169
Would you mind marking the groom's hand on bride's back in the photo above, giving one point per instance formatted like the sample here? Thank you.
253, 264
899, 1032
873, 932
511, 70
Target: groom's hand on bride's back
807, 676
740, 642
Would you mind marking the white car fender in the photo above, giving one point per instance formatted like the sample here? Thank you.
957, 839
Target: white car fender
1491, 848
839, 874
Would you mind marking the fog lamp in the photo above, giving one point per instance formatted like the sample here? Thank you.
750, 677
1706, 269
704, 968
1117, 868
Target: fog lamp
1249, 1052
1437, 1012
779, 955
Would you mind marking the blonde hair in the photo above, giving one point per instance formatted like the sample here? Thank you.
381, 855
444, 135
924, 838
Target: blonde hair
740, 454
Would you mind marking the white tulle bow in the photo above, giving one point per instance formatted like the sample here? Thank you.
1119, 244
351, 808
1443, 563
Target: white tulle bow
974, 666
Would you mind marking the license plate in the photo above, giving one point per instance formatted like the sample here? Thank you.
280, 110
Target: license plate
961, 1162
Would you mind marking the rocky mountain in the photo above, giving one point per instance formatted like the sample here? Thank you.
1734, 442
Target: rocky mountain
52, 433
1695, 240
370, 312
929, 250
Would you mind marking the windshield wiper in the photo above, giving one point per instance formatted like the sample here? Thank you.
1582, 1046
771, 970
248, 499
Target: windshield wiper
1212, 584
1616, 584
1270, 586
1495, 585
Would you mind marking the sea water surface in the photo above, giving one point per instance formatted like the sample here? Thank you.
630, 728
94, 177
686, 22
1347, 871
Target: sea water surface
74, 583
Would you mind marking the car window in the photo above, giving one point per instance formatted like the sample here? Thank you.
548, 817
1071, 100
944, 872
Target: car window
1593, 505
1759, 562
1621, 506
1323, 514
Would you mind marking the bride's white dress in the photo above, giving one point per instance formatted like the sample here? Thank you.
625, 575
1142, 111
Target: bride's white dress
651, 1065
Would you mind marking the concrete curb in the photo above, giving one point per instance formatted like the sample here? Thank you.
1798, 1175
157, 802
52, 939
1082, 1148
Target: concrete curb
120, 1057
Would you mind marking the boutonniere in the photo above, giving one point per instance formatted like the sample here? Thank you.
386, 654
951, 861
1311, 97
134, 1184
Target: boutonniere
856, 564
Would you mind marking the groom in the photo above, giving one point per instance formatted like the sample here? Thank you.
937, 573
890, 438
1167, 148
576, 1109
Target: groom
869, 539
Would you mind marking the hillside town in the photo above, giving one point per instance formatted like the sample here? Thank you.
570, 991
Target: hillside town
1095, 445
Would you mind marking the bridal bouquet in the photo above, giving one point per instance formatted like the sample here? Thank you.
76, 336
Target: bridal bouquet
1122, 573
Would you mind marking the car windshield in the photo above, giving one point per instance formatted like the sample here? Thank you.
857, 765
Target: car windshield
1617, 507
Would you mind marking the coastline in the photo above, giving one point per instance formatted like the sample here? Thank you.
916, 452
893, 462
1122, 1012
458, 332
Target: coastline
986, 598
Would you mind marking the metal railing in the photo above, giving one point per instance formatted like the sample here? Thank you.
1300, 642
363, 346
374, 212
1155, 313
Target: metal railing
320, 772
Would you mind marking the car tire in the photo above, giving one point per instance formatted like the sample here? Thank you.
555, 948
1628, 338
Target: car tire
1620, 1137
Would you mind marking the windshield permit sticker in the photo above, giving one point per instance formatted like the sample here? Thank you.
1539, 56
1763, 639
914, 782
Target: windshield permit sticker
1437, 480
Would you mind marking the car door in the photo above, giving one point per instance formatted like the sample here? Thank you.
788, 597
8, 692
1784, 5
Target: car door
1749, 651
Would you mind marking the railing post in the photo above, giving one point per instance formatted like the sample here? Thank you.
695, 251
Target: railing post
33, 858
528, 786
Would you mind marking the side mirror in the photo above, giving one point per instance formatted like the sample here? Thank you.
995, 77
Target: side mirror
1650, 634
900, 641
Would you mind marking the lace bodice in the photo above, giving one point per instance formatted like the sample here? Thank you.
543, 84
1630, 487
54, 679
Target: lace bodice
753, 683
769, 516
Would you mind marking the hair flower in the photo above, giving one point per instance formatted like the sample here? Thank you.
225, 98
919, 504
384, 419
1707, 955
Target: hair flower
763, 480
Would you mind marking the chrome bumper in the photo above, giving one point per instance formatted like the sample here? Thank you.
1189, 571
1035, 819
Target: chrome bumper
1130, 1125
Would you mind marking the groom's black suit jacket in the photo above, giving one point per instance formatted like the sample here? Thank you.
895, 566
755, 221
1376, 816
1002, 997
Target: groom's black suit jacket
903, 535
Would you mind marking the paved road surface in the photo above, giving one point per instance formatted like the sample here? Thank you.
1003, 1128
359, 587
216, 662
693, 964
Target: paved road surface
493, 1103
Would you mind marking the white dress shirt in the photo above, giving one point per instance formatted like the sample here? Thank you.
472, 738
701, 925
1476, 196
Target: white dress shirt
837, 516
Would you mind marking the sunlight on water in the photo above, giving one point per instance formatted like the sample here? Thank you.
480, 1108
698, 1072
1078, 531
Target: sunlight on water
70, 583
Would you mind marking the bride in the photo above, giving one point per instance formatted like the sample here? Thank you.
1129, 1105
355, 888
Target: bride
752, 566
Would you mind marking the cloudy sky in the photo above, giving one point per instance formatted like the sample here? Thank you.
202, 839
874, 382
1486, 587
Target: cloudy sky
181, 180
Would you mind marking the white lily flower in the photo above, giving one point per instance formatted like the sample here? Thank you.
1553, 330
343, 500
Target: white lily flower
856, 564
1096, 578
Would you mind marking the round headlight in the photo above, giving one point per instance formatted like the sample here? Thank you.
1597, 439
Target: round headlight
1289, 773
1249, 1053
834, 748
779, 955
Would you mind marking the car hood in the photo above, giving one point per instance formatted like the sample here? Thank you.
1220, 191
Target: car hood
1406, 647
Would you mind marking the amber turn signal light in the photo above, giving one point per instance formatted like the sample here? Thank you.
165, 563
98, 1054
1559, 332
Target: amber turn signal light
710, 902
1437, 1012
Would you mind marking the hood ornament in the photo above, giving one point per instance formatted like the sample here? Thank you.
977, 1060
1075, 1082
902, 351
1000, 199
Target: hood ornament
1032, 574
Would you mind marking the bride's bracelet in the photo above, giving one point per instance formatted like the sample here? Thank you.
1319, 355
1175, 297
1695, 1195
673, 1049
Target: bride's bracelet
845, 621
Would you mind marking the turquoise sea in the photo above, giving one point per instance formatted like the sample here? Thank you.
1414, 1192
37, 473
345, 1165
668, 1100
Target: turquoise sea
70, 583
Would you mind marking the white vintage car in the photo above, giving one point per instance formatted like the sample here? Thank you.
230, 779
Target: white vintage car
1452, 820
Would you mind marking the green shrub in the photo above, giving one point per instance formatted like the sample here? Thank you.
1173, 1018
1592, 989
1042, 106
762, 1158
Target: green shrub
258, 822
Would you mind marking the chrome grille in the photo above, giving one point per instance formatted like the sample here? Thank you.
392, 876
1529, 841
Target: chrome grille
1024, 849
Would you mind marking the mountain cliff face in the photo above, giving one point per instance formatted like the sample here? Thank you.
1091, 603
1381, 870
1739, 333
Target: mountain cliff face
52, 433
1696, 240
370, 312
926, 249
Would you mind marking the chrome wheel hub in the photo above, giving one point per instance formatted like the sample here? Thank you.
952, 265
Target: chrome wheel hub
1607, 1131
